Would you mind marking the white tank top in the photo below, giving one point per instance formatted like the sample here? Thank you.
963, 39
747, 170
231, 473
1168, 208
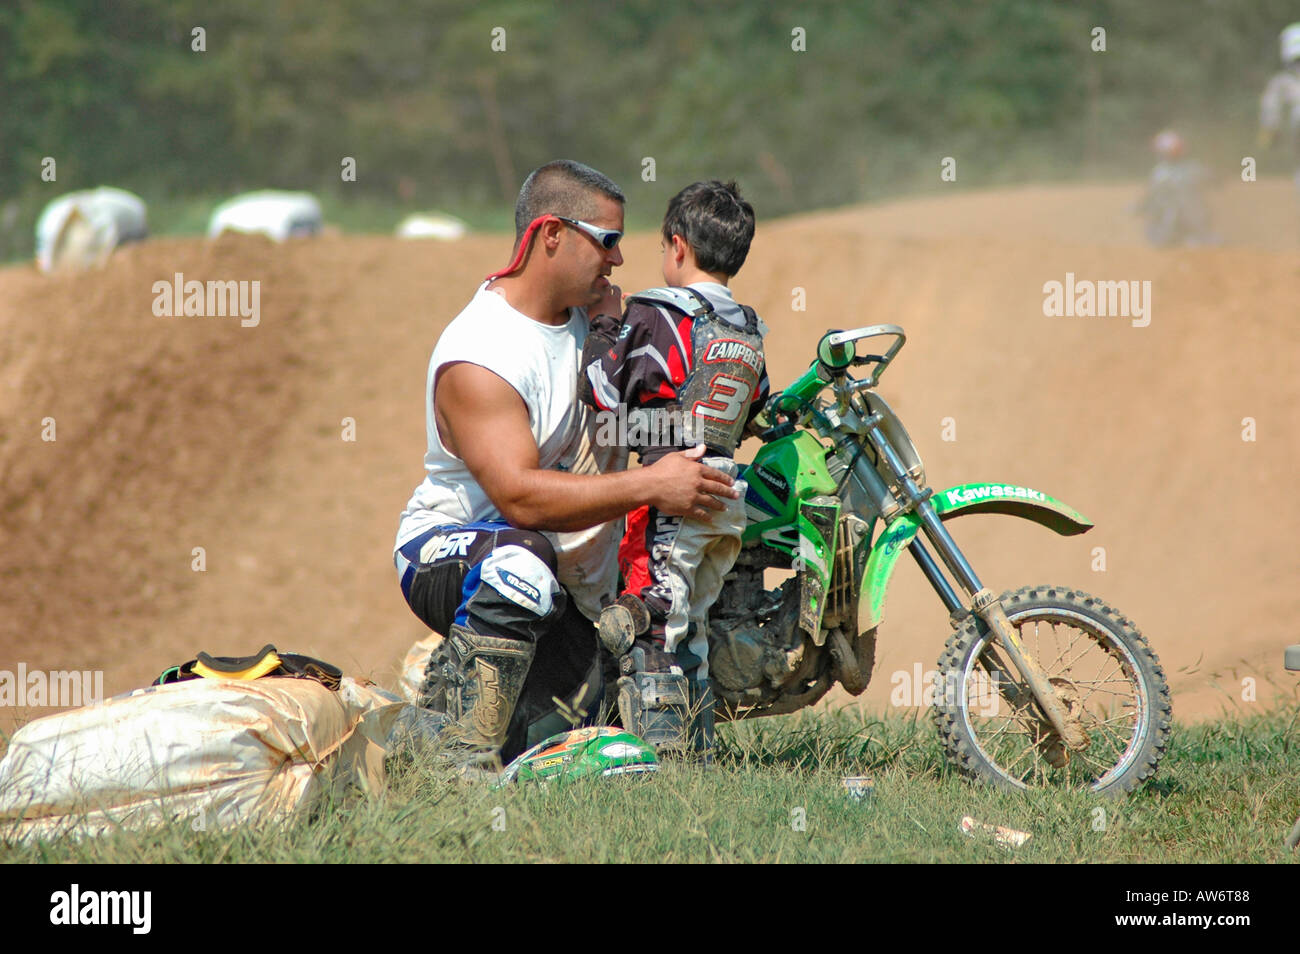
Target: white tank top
541, 363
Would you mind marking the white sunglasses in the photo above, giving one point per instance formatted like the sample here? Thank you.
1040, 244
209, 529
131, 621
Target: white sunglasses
608, 239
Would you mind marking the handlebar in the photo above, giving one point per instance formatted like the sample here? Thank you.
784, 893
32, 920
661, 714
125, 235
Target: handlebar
833, 353
831, 366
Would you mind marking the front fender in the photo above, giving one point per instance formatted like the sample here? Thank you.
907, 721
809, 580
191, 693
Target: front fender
958, 501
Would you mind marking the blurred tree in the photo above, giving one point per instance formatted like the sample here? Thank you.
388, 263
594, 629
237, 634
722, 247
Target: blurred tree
415, 91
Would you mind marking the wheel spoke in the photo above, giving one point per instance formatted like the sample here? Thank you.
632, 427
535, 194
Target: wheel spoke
1091, 691
1099, 768
1005, 725
1023, 752
1065, 649
1087, 646
1128, 719
1091, 682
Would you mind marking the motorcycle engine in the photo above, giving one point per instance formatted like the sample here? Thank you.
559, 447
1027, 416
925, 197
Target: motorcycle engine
755, 642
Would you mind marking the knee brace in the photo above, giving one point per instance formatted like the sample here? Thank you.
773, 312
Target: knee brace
512, 593
523, 577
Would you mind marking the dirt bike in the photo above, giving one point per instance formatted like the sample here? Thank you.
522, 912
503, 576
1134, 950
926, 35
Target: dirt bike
1045, 685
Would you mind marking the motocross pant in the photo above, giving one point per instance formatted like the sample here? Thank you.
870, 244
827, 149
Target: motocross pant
676, 566
491, 590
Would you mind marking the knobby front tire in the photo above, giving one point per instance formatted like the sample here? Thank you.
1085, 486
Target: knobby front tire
1102, 669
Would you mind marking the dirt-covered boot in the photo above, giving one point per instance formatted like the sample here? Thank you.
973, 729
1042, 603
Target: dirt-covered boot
653, 698
700, 728
475, 680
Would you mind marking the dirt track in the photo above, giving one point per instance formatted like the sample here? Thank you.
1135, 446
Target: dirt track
176, 433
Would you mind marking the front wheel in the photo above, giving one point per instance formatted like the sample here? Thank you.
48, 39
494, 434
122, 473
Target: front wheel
992, 728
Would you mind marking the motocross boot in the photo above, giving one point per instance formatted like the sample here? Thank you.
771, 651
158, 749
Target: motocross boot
474, 681
700, 730
701, 735
653, 698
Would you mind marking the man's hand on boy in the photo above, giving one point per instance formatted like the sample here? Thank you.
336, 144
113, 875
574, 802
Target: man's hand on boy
683, 487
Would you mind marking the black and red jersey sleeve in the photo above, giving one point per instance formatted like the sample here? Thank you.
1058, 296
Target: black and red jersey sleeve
646, 363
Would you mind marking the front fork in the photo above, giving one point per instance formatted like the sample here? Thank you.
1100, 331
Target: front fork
983, 603
988, 607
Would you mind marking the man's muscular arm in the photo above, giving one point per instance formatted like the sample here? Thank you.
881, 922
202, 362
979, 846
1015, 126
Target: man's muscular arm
483, 421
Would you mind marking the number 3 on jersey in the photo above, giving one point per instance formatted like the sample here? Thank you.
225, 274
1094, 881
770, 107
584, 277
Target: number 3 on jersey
728, 397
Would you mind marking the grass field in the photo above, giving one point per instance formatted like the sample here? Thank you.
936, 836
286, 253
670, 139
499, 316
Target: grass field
1226, 792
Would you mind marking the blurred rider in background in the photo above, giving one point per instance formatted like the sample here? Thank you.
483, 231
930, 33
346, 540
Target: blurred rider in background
1279, 106
1174, 206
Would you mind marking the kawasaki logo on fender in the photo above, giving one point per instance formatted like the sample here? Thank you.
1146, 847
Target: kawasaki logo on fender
728, 349
989, 491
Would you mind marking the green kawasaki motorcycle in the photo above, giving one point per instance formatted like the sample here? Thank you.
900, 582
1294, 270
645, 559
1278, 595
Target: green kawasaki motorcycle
1041, 686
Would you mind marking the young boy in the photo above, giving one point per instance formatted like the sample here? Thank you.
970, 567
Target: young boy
684, 368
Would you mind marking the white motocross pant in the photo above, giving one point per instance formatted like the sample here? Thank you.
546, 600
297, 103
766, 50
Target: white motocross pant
698, 557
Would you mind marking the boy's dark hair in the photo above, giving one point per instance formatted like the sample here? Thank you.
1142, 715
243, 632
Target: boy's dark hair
562, 187
716, 223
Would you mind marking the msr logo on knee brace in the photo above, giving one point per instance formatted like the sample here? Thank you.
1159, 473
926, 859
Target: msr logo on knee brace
527, 589
521, 577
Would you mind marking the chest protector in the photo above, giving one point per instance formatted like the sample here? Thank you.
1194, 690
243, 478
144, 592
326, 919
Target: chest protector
726, 367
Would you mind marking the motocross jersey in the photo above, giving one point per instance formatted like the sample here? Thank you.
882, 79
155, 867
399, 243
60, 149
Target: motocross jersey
691, 352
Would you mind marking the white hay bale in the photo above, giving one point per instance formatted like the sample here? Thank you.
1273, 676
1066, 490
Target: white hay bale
279, 215
432, 225
80, 229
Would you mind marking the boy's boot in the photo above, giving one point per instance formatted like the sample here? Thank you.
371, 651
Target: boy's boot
653, 698
700, 729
